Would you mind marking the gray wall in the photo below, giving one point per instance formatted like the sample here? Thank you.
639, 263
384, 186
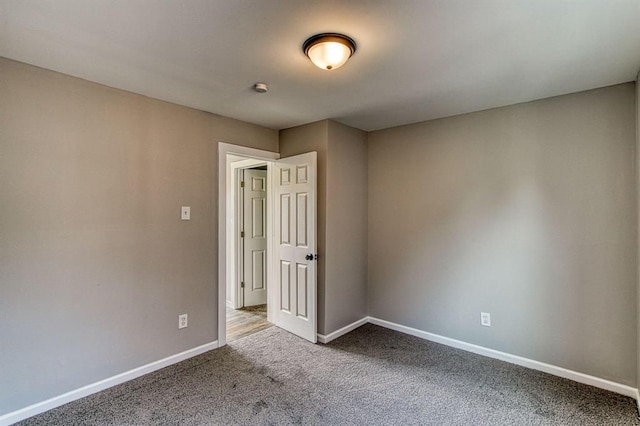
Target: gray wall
527, 212
346, 244
342, 217
95, 264
298, 140
638, 207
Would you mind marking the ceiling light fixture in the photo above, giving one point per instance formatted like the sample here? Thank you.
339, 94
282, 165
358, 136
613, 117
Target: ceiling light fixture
329, 51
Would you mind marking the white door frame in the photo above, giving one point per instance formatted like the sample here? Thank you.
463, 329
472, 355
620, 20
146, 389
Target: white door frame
233, 255
238, 167
226, 242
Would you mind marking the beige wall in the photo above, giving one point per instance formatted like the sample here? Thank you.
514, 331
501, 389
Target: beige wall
95, 264
346, 240
638, 215
342, 217
527, 212
298, 140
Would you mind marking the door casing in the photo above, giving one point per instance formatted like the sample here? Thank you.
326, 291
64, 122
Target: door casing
233, 256
227, 243
227, 250
248, 295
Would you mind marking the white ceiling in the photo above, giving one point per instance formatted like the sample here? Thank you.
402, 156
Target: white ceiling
416, 60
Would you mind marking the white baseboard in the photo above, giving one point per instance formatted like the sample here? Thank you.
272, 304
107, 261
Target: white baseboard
40, 407
491, 353
513, 359
344, 330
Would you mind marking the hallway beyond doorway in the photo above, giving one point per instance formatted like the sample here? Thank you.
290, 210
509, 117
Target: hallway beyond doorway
246, 321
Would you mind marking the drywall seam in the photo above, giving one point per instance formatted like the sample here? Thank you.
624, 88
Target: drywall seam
56, 401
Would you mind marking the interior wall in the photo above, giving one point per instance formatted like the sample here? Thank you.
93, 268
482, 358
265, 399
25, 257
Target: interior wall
526, 212
298, 140
346, 239
95, 263
342, 217
638, 213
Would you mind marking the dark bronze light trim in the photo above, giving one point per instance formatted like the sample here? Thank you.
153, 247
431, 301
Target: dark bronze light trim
329, 37
339, 38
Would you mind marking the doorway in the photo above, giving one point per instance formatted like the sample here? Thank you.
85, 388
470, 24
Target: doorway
247, 311
251, 216
227, 224
290, 229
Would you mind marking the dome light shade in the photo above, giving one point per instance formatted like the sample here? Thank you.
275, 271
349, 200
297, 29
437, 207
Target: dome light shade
329, 51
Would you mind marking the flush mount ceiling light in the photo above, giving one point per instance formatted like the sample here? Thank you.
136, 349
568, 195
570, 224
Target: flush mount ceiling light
329, 51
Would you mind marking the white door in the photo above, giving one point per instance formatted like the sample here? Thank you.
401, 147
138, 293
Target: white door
295, 233
254, 238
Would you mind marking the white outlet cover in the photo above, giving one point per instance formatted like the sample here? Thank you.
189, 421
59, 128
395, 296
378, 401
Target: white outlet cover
485, 319
183, 321
185, 213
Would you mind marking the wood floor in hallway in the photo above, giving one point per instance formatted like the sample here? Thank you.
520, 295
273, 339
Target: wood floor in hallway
246, 321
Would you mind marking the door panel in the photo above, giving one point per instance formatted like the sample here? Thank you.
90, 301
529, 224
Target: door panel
259, 270
254, 243
296, 230
285, 233
258, 217
301, 210
302, 291
285, 286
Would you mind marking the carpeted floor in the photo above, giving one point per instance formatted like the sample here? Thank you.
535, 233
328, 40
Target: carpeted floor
370, 376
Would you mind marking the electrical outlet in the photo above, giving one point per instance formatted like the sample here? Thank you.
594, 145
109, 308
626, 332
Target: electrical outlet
485, 319
183, 321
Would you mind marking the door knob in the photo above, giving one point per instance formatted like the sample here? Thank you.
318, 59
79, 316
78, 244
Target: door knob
311, 257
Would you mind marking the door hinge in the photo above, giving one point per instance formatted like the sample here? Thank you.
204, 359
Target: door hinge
241, 234
242, 284
241, 184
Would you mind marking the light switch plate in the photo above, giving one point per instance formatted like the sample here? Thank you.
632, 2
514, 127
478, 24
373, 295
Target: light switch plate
186, 213
485, 319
